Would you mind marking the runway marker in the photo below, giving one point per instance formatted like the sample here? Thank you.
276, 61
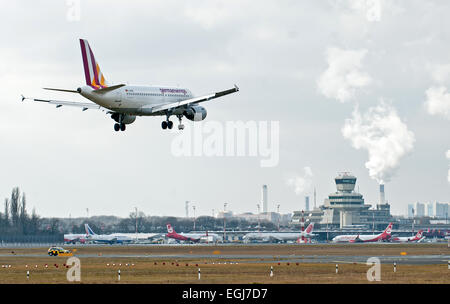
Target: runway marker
118, 275
199, 274
28, 274
448, 265
395, 267
271, 271
337, 268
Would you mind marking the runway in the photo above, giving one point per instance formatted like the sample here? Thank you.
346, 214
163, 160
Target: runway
251, 258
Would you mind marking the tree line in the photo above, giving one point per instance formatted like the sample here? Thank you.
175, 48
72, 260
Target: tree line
15, 220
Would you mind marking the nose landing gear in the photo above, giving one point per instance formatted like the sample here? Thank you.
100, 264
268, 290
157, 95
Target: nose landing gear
180, 126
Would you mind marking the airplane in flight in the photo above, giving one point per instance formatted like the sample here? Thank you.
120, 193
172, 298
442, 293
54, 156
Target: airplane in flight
192, 237
125, 102
384, 236
416, 238
279, 236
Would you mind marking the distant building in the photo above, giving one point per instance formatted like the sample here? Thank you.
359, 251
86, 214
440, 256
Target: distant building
419, 209
225, 214
306, 203
429, 210
410, 210
345, 208
441, 209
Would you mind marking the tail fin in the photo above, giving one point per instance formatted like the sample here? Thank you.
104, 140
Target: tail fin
388, 230
94, 77
310, 228
419, 234
88, 229
170, 230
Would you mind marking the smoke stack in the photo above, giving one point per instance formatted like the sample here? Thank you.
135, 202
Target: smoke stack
264, 198
382, 199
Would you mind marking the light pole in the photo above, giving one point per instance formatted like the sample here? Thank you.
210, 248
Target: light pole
136, 215
279, 215
257, 205
224, 222
193, 207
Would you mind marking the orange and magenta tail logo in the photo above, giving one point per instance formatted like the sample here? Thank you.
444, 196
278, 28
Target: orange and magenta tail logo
94, 77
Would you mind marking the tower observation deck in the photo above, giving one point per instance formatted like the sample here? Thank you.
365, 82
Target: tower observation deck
345, 200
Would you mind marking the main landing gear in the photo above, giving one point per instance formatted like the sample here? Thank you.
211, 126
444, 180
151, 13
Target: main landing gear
167, 124
119, 127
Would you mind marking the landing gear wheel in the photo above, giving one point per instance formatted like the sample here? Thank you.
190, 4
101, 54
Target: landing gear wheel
164, 125
170, 124
116, 127
180, 126
122, 127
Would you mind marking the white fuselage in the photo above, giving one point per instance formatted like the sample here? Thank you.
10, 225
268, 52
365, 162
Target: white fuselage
281, 236
136, 100
352, 238
202, 236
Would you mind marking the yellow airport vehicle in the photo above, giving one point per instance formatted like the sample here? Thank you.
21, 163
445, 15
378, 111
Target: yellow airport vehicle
59, 251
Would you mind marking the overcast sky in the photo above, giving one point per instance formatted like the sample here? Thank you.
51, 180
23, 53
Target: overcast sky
358, 86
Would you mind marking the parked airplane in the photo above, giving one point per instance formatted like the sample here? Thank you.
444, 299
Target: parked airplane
105, 238
192, 237
279, 236
417, 238
126, 102
72, 238
385, 235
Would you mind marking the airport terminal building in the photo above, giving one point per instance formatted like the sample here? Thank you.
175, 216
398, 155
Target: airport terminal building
346, 208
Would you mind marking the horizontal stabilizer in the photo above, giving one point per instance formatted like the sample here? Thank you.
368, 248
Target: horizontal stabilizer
108, 89
61, 90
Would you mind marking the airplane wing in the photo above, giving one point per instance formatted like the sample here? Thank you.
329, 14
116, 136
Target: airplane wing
194, 100
59, 103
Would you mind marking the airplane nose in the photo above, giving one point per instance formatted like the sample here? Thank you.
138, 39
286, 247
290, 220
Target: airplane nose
79, 90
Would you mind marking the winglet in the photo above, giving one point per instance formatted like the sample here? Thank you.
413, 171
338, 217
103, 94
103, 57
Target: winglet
23, 98
236, 87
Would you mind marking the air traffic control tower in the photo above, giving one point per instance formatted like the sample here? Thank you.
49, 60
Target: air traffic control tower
346, 204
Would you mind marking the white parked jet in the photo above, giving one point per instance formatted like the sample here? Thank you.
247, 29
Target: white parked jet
126, 102
406, 239
384, 236
279, 236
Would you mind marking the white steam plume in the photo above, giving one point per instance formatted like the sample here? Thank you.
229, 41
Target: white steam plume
372, 9
386, 138
344, 75
438, 101
301, 184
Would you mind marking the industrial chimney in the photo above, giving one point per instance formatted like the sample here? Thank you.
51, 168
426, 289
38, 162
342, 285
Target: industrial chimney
382, 198
264, 197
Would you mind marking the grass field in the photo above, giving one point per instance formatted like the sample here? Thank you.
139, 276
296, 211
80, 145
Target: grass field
147, 269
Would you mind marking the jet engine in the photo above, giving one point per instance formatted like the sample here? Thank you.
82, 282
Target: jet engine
126, 119
195, 113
